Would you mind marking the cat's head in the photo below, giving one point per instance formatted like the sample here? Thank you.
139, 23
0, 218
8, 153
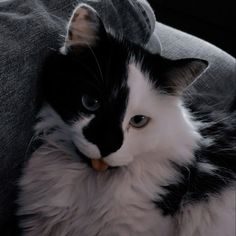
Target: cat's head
119, 101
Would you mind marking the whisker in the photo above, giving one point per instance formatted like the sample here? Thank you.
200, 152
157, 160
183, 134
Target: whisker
99, 68
33, 138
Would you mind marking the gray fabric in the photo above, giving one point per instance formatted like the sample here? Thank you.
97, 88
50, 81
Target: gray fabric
217, 86
120, 17
29, 29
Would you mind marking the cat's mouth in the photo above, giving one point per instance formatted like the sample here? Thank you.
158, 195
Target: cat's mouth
96, 164
99, 164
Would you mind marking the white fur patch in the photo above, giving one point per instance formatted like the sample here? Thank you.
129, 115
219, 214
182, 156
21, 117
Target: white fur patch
87, 148
170, 134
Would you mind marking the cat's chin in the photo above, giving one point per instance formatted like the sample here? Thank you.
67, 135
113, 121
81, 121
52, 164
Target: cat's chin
115, 160
102, 164
97, 164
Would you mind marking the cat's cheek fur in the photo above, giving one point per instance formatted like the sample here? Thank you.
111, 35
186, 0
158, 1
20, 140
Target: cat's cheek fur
170, 132
87, 148
124, 156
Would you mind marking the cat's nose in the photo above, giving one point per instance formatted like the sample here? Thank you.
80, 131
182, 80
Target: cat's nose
107, 140
110, 144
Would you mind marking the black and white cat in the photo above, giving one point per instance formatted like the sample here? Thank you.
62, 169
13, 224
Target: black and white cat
121, 154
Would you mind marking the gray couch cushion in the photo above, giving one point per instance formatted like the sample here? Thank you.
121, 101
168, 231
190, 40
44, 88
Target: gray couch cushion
27, 33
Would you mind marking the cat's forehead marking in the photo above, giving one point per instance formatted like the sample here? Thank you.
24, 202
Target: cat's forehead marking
142, 99
140, 87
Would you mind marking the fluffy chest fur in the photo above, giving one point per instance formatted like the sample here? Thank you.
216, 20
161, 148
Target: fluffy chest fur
63, 196
76, 200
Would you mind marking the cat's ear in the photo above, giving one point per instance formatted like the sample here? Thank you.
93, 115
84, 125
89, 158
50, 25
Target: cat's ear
179, 74
85, 28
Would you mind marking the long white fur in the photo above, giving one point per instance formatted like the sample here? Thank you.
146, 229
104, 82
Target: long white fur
216, 217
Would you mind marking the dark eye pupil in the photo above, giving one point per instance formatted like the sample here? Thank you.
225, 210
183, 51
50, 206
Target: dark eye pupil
138, 119
90, 103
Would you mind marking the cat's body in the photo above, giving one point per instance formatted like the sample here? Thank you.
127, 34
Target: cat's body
171, 173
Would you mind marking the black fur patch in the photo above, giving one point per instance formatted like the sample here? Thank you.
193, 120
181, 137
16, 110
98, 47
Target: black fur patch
101, 72
196, 184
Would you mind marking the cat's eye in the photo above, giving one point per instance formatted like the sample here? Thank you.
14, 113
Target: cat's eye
90, 103
139, 121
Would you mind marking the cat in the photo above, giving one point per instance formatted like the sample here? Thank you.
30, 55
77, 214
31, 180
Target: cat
121, 153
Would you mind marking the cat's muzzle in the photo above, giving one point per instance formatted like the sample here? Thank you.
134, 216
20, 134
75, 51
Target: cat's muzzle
97, 164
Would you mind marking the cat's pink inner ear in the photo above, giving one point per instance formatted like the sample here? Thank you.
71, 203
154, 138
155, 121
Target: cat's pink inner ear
83, 26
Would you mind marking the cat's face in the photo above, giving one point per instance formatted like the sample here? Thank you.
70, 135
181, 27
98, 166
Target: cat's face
119, 101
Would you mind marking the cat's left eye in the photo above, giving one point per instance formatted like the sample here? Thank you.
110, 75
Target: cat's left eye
139, 121
90, 103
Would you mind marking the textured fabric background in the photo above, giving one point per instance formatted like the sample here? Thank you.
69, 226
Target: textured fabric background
27, 32
29, 29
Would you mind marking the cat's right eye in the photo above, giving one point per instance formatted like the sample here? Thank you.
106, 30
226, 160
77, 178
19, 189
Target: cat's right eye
139, 121
90, 103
